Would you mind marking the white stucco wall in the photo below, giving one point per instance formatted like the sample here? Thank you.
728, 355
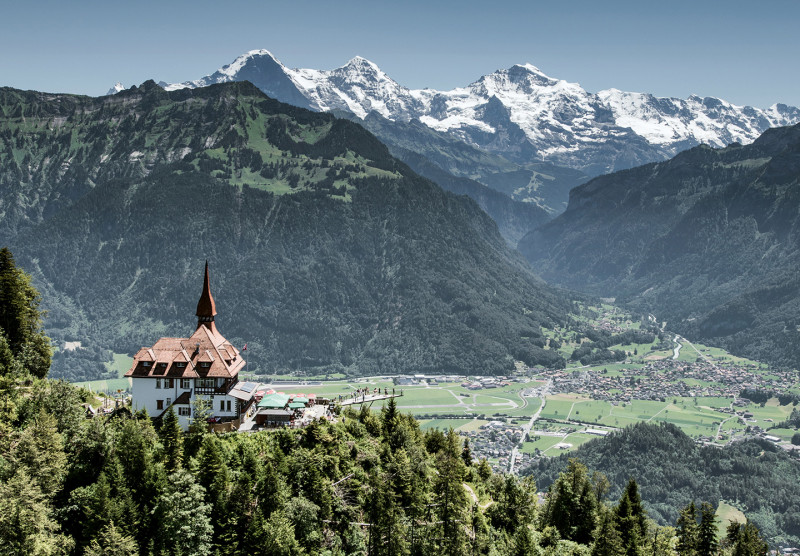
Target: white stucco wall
146, 395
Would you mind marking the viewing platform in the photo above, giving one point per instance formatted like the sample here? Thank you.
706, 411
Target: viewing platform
357, 399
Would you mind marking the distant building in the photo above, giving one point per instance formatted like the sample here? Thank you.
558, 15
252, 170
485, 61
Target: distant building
174, 372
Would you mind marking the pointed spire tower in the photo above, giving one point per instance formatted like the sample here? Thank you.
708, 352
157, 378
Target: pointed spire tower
206, 308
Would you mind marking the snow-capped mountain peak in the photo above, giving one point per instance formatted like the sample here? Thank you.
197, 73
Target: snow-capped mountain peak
518, 112
362, 63
236, 66
116, 88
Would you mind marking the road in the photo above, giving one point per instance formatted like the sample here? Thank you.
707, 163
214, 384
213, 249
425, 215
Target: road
527, 428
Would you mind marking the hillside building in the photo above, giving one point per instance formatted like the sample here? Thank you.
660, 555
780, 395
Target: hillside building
174, 372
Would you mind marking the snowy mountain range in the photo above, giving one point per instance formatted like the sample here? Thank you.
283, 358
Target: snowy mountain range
519, 113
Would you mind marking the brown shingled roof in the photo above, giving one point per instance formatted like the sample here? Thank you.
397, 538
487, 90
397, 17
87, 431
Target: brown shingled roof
206, 345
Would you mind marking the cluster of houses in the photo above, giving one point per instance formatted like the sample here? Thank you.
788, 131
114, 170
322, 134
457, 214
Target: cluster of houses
663, 379
494, 441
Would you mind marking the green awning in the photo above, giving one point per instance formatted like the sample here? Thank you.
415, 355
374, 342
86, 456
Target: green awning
273, 401
296, 405
300, 400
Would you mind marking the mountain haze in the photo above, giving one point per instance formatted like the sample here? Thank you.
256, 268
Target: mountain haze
326, 253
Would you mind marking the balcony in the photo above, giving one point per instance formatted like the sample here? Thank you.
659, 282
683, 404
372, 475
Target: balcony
215, 390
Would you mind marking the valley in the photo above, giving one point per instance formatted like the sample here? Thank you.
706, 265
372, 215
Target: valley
453, 302
538, 412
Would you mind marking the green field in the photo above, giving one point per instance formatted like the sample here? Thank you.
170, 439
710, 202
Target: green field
106, 386
695, 416
463, 425
554, 445
120, 364
726, 514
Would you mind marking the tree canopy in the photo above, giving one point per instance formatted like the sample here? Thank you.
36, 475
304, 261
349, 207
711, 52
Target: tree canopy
24, 348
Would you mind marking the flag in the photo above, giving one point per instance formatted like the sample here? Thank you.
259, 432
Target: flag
245, 347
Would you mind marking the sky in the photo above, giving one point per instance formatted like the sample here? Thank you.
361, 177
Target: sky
743, 52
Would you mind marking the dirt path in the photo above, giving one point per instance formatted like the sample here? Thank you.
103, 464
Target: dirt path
475, 497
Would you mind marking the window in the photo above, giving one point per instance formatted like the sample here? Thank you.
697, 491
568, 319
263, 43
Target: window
205, 364
158, 383
222, 405
159, 404
169, 401
185, 383
146, 363
170, 382
184, 411
229, 405
181, 365
207, 383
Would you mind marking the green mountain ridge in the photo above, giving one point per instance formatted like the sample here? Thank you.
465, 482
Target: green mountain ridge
707, 241
326, 253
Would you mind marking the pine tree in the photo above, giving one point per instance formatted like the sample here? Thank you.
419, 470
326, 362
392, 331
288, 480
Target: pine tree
687, 530
707, 543
466, 453
745, 540
112, 542
136, 445
171, 435
40, 450
451, 496
608, 541
387, 532
21, 321
27, 524
571, 505
198, 426
631, 520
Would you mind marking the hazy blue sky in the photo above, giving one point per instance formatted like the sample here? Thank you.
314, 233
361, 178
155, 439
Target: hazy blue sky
744, 52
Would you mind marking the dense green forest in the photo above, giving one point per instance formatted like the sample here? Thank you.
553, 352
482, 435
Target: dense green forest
672, 470
706, 241
368, 484
327, 254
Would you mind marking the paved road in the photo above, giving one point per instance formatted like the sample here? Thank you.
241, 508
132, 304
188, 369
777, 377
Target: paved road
527, 428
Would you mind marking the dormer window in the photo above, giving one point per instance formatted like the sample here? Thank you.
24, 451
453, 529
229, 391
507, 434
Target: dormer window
146, 363
181, 365
205, 364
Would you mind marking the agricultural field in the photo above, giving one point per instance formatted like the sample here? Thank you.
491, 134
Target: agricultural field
461, 425
119, 365
695, 416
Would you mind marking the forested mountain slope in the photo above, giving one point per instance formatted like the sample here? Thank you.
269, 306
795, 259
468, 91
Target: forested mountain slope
326, 253
672, 470
708, 241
